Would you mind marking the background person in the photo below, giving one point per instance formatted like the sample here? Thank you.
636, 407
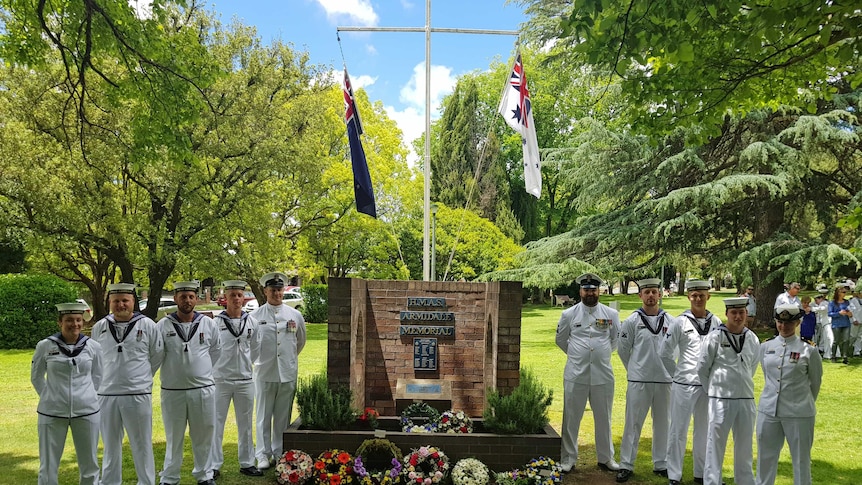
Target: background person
281, 334
587, 333
791, 296
132, 353
823, 336
792, 372
839, 315
854, 304
808, 327
751, 307
66, 371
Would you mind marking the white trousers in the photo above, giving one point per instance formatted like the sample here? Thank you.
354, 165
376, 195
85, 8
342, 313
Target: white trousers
686, 401
726, 416
195, 407
825, 338
274, 409
640, 398
52, 440
134, 416
855, 339
601, 399
242, 395
771, 433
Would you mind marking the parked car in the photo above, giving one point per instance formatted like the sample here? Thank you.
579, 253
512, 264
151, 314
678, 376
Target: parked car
291, 297
222, 299
165, 302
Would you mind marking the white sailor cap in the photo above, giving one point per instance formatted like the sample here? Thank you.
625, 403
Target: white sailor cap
275, 279
736, 302
648, 283
692, 285
788, 312
186, 286
822, 289
73, 307
588, 281
115, 288
234, 284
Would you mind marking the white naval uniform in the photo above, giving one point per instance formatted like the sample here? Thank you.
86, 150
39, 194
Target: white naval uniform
131, 354
823, 337
726, 368
792, 370
188, 393
685, 337
855, 307
66, 378
234, 382
281, 336
588, 336
649, 379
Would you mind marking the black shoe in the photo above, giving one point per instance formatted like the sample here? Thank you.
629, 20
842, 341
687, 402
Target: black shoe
216, 474
661, 473
251, 471
624, 474
698, 480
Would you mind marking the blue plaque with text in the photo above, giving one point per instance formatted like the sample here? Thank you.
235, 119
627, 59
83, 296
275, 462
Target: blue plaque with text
424, 354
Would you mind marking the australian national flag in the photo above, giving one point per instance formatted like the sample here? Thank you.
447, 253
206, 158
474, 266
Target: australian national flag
362, 189
518, 113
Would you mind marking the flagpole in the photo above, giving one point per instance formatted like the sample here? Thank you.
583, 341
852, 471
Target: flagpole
428, 30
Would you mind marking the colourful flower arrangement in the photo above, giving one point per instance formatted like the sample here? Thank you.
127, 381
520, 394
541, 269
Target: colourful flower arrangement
419, 409
370, 416
511, 477
377, 448
543, 471
425, 466
333, 467
470, 471
294, 467
454, 422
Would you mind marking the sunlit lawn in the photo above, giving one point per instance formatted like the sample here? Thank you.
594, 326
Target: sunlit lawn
836, 455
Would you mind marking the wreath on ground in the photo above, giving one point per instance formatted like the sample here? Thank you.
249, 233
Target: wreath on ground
378, 462
333, 467
425, 466
419, 409
454, 422
294, 467
470, 471
543, 471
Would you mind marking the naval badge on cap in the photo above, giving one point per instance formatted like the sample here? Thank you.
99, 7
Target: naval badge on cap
116, 288
692, 285
588, 281
234, 284
275, 279
73, 307
736, 302
648, 283
787, 312
186, 286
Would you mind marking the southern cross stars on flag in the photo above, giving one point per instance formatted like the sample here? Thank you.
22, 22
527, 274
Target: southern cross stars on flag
516, 109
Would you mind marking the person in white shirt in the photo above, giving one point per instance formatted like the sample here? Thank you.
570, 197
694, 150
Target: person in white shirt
823, 334
587, 333
192, 347
132, 353
854, 304
792, 371
233, 379
649, 379
281, 333
728, 361
66, 371
752, 305
791, 296
684, 339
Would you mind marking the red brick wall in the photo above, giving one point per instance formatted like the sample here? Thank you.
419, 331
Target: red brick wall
366, 351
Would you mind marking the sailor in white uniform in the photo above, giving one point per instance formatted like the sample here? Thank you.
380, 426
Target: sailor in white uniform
684, 339
281, 332
728, 361
587, 333
192, 347
792, 370
66, 371
823, 334
132, 353
649, 379
233, 379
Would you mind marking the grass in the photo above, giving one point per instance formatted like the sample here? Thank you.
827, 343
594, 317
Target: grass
836, 454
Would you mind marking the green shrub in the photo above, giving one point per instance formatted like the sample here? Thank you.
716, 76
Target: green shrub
27, 311
315, 307
524, 411
323, 408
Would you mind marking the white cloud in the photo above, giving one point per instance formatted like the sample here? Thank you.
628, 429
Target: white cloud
361, 81
370, 49
358, 11
143, 8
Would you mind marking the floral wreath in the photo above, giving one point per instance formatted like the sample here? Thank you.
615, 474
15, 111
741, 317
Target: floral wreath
470, 471
543, 471
425, 466
333, 467
511, 477
294, 466
377, 448
419, 409
452, 422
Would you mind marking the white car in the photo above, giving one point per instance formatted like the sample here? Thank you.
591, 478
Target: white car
291, 298
165, 303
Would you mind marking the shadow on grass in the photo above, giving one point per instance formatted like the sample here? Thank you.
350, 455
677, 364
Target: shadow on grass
20, 468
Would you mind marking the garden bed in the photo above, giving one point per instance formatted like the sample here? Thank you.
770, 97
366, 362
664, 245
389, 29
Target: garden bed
498, 452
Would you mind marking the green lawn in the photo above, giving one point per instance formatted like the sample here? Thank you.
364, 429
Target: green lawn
836, 455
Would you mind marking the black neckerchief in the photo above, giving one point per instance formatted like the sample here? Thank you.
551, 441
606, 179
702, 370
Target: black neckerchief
243, 317
730, 339
643, 315
693, 319
196, 320
57, 338
111, 326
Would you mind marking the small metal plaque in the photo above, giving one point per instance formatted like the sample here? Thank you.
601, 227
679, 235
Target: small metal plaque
380, 433
423, 390
425, 354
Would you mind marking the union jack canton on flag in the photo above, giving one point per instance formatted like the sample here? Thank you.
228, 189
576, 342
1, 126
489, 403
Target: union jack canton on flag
517, 111
362, 190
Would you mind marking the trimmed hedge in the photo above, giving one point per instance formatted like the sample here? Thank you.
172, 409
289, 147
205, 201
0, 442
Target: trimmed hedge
315, 303
27, 311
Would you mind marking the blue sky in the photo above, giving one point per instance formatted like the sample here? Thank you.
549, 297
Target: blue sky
389, 66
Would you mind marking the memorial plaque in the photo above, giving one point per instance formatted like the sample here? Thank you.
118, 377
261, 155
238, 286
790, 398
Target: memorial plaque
425, 354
